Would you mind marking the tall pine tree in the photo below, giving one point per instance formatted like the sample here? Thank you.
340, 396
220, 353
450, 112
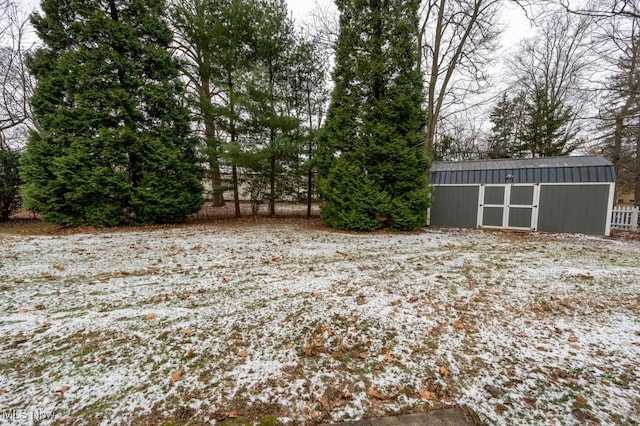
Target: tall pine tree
547, 131
114, 143
373, 167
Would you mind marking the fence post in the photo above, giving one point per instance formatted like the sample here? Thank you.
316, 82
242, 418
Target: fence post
634, 218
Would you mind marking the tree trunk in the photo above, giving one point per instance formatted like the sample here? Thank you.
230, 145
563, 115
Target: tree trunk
309, 189
636, 171
236, 197
617, 143
272, 187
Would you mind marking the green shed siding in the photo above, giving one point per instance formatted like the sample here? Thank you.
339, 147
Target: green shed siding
455, 206
573, 208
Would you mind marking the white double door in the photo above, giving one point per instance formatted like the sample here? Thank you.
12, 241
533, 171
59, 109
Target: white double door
512, 206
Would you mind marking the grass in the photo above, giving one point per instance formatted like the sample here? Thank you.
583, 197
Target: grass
291, 323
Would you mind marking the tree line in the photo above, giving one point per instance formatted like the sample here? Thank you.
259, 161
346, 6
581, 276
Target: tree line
138, 102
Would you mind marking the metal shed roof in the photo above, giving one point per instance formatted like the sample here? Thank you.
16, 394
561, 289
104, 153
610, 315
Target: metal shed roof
591, 168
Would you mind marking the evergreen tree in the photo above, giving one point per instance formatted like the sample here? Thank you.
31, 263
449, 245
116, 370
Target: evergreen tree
507, 121
373, 167
218, 41
269, 93
114, 143
546, 131
9, 181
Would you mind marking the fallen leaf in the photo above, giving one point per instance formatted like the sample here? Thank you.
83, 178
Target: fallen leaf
318, 342
189, 353
572, 339
58, 267
47, 324
388, 357
581, 400
177, 375
1, 391
427, 395
493, 390
347, 395
585, 276
286, 290
152, 315
62, 390
186, 332
377, 394
233, 415
458, 325
315, 414
363, 355
324, 402
242, 354
444, 372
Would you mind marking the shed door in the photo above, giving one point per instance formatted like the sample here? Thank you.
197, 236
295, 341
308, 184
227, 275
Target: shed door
510, 206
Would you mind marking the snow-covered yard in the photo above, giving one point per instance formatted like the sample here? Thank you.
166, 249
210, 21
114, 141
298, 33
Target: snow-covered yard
242, 323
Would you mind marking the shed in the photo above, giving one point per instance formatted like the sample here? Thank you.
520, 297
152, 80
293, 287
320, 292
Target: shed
552, 194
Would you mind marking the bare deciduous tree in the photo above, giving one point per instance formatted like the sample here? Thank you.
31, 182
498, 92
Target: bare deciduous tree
620, 108
457, 40
15, 81
602, 8
557, 65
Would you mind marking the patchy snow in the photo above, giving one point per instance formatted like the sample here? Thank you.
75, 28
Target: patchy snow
311, 326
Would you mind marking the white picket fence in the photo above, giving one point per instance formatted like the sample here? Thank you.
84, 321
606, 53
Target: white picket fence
625, 217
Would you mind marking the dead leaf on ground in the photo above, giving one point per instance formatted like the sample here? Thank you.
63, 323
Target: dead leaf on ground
572, 339
324, 402
444, 372
1, 391
585, 276
581, 400
177, 375
377, 394
186, 332
363, 355
347, 395
286, 289
458, 325
151, 315
242, 354
189, 353
387, 357
495, 391
427, 395
58, 267
62, 390
233, 415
